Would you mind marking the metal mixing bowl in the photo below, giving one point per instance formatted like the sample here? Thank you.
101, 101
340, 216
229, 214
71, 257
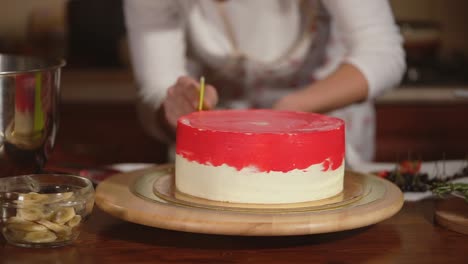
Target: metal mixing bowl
29, 93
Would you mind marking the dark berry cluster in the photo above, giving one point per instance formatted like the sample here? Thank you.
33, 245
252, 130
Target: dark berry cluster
408, 182
408, 178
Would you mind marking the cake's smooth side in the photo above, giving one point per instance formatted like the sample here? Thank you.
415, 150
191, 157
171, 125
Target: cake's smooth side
227, 184
259, 156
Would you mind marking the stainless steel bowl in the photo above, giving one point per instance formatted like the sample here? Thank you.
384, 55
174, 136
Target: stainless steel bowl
29, 93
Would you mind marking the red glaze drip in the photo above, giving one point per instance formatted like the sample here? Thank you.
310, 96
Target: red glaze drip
266, 139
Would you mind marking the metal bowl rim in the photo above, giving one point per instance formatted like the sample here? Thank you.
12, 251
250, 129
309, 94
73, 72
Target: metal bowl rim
52, 64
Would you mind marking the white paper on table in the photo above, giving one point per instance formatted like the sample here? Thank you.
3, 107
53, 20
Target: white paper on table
128, 167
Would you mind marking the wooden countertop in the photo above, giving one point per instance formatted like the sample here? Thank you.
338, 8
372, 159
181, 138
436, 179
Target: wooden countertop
408, 237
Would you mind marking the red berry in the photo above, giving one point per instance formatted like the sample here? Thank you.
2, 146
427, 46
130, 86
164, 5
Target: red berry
383, 174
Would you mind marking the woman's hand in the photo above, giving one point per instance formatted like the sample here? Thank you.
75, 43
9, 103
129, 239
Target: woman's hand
183, 97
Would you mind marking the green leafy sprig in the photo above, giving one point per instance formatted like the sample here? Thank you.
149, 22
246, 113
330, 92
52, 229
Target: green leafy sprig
443, 189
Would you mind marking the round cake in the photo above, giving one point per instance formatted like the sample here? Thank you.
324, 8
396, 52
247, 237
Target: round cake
259, 156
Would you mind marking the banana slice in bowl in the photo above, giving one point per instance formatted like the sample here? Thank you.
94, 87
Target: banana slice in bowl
63, 215
75, 221
26, 226
40, 237
49, 217
56, 228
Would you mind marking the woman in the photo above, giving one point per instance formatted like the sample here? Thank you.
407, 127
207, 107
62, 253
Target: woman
331, 56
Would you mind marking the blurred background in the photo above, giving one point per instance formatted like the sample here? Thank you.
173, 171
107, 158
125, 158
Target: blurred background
426, 117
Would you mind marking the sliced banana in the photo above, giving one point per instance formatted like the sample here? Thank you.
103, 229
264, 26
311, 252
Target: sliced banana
40, 219
75, 221
58, 197
65, 235
63, 215
63, 196
40, 237
13, 234
33, 197
54, 226
32, 213
26, 226
15, 219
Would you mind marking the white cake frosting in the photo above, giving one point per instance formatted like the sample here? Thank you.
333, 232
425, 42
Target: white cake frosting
227, 184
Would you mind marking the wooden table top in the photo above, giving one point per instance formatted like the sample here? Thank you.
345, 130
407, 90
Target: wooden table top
408, 237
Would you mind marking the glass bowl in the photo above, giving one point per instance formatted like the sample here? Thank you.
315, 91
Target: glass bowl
44, 210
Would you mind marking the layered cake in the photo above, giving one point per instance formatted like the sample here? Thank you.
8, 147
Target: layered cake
259, 156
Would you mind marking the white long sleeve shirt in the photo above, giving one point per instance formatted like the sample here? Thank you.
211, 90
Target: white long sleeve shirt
167, 36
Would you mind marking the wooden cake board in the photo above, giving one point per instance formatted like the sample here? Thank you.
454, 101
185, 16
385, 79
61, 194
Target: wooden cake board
452, 214
130, 196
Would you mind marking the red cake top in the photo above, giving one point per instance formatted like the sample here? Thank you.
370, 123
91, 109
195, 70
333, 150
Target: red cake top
265, 139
